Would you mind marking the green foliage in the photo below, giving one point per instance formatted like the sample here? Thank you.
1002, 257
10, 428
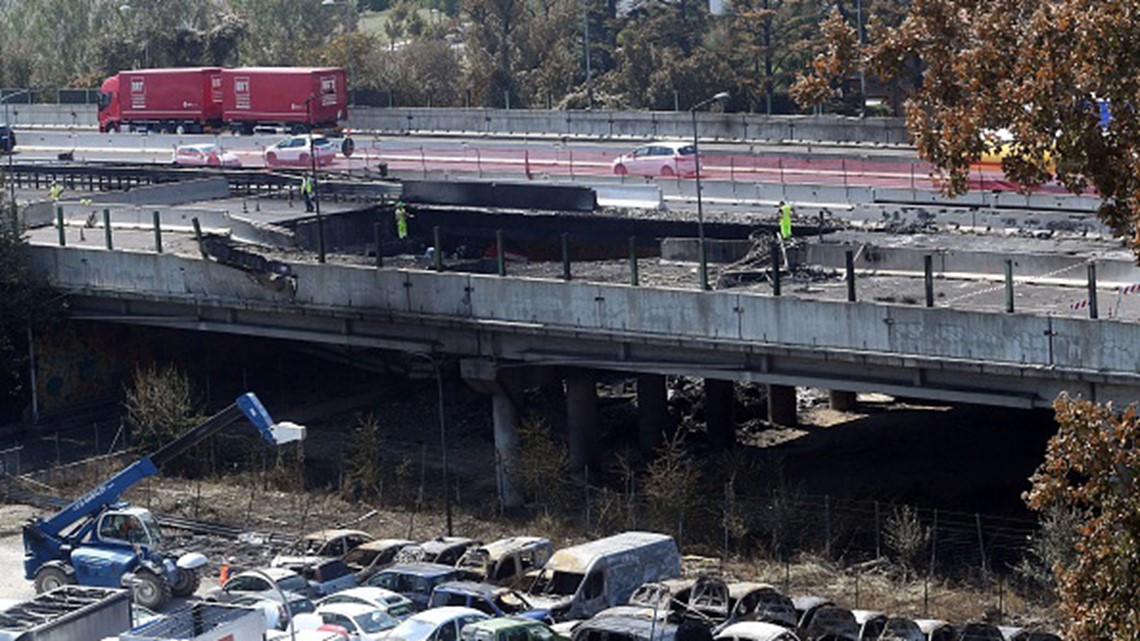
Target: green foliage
27, 306
364, 471
160, 405
1092, 472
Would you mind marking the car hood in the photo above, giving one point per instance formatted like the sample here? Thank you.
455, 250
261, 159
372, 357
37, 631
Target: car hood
548, 603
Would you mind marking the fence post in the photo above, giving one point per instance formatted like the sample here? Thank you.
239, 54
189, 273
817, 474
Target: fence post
1094, 313
981, 540
827, 525
59, 223
774, 253
928, 278
878, 534
198, 236
1009, 286
500, 257
933, 542
633, 276
157, 232
107, 229
850, 265
438, 254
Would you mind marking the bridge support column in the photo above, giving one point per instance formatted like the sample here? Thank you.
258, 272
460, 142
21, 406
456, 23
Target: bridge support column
506, 421
782, 404
582, 418
652, 413
719, 400
504, 388
841, 400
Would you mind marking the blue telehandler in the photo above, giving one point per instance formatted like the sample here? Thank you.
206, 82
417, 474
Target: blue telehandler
99, 540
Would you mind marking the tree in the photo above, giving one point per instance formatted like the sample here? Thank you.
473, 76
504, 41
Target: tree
26, 305
1037, 70
1092, 472
160, 405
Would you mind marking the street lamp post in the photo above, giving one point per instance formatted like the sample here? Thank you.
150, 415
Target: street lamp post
11, 152
284, 600
704, 268
313, 175
430, 358
348, 23
862, 65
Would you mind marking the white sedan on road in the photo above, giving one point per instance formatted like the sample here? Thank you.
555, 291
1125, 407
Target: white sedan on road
205, 155
666, 159
297, 151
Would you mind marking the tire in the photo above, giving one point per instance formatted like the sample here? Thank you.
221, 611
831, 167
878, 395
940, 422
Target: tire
187, 583
51, 577
150, 590
271, 159
620, 170
667, 172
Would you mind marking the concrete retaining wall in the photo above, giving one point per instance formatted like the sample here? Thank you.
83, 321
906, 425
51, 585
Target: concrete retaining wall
1063, 348
587, 124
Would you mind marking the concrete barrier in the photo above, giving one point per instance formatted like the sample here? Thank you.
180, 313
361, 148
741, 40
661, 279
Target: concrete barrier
636, 196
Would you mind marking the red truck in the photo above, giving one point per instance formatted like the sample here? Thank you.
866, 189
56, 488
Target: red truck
200, 99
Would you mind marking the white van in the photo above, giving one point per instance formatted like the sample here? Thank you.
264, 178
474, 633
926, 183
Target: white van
580, 581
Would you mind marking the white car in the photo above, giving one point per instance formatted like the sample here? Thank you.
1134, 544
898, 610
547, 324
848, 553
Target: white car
755, 631
396, 605
204, 155
666, 159
295, 151
436, 624
361, 622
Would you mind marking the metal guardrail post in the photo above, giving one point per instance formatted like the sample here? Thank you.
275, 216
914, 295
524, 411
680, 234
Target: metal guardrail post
438, 254
157, 232
633, 276
1009, 286
107, 229
59, 223
500, 256
1094, 312
565, 256
849, 259
928, 278
198, 236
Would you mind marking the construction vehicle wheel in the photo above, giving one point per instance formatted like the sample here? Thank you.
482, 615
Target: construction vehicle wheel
150, 590
187, 583
51, 577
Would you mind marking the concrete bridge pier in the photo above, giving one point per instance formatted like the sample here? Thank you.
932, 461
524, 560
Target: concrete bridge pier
504, 388
582, 418
720, 397
841, 400
652, 413
782, 404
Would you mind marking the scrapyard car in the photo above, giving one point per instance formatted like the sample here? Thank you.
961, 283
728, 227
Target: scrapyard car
509, 629
278, 613
320, 545
903, 629
580, 581
361, 622
937, 630
506, 561
755, 631
397, 606
413, 580
494, 600
761, 602
244, 583
439, 624
444, 550
373, 556
830, 623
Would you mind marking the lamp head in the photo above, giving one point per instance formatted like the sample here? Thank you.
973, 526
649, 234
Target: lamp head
721, 97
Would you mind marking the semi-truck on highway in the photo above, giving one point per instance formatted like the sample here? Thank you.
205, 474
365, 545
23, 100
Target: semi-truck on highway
213, 99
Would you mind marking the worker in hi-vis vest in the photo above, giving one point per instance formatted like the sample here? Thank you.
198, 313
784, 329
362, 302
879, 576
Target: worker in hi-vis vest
785, 220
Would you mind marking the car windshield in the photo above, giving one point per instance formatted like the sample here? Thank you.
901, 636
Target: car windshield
375, 621
293, 583
402, 609
360, 557
412, 630
560, 583
151, 526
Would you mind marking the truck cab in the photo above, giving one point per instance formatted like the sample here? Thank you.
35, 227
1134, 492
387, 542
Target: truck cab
129, 527
109, 115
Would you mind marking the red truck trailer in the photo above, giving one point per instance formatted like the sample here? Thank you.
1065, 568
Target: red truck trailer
298, 98
196, 100
173, 100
